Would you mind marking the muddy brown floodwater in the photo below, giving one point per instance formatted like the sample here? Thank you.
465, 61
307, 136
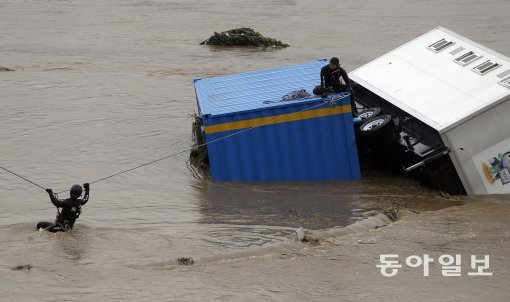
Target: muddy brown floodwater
101, 86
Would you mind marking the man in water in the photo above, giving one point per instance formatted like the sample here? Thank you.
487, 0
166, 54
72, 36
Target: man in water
330, 79
71, 209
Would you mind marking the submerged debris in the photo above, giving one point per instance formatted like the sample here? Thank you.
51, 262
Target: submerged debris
5, 69
185, 261
393, 214
300, 234
198, 155
242, 37
24, 267
312, 237
446, 195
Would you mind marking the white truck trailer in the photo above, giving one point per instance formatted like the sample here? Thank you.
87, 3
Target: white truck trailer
439, 106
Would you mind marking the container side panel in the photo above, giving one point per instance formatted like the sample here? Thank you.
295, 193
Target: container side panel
310, 149
351, 147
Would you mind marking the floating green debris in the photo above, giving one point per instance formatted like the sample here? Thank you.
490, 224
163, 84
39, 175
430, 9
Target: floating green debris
242, 37
185, 261
25, 267
198, 155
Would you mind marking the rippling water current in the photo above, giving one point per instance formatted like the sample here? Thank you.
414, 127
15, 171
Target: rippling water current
103, 86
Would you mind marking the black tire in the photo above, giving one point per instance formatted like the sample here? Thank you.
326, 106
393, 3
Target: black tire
375, 124
368, 113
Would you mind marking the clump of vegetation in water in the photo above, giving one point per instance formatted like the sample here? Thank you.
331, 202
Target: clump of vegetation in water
198, 155
24, 267
185, 261
242, 37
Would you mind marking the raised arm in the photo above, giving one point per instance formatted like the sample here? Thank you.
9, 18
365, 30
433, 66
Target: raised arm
54, 200
86, 186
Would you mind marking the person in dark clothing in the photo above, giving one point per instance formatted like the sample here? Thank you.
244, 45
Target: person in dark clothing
71, 209
330, 79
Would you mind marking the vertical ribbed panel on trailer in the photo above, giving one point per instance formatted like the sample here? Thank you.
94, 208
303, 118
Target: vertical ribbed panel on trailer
254, 136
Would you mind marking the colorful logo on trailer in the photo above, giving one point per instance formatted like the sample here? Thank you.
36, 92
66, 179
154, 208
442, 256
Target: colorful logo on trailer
498, 168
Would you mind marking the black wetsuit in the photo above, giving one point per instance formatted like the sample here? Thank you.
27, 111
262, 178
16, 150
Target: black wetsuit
71, 209
331, 78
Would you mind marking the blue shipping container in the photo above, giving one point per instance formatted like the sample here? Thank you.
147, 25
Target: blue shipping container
253, 135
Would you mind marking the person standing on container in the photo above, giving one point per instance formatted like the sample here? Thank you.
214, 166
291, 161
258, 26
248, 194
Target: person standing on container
71, 209
330, 79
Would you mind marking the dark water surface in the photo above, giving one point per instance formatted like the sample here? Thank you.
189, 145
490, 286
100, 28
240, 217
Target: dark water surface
105, 85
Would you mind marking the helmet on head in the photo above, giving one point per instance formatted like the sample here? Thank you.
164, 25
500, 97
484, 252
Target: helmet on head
335, 61
76, 191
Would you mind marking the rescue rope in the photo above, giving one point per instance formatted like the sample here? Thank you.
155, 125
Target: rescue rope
330, 100
22, 177
300, 94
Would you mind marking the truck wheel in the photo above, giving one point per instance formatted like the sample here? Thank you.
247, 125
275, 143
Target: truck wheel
375, 123
368, 113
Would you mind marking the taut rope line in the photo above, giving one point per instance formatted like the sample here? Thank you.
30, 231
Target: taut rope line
22, 177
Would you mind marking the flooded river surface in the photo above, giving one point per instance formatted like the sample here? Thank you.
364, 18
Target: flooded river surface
102, 86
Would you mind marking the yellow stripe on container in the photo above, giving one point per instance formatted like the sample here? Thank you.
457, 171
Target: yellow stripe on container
277, 119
